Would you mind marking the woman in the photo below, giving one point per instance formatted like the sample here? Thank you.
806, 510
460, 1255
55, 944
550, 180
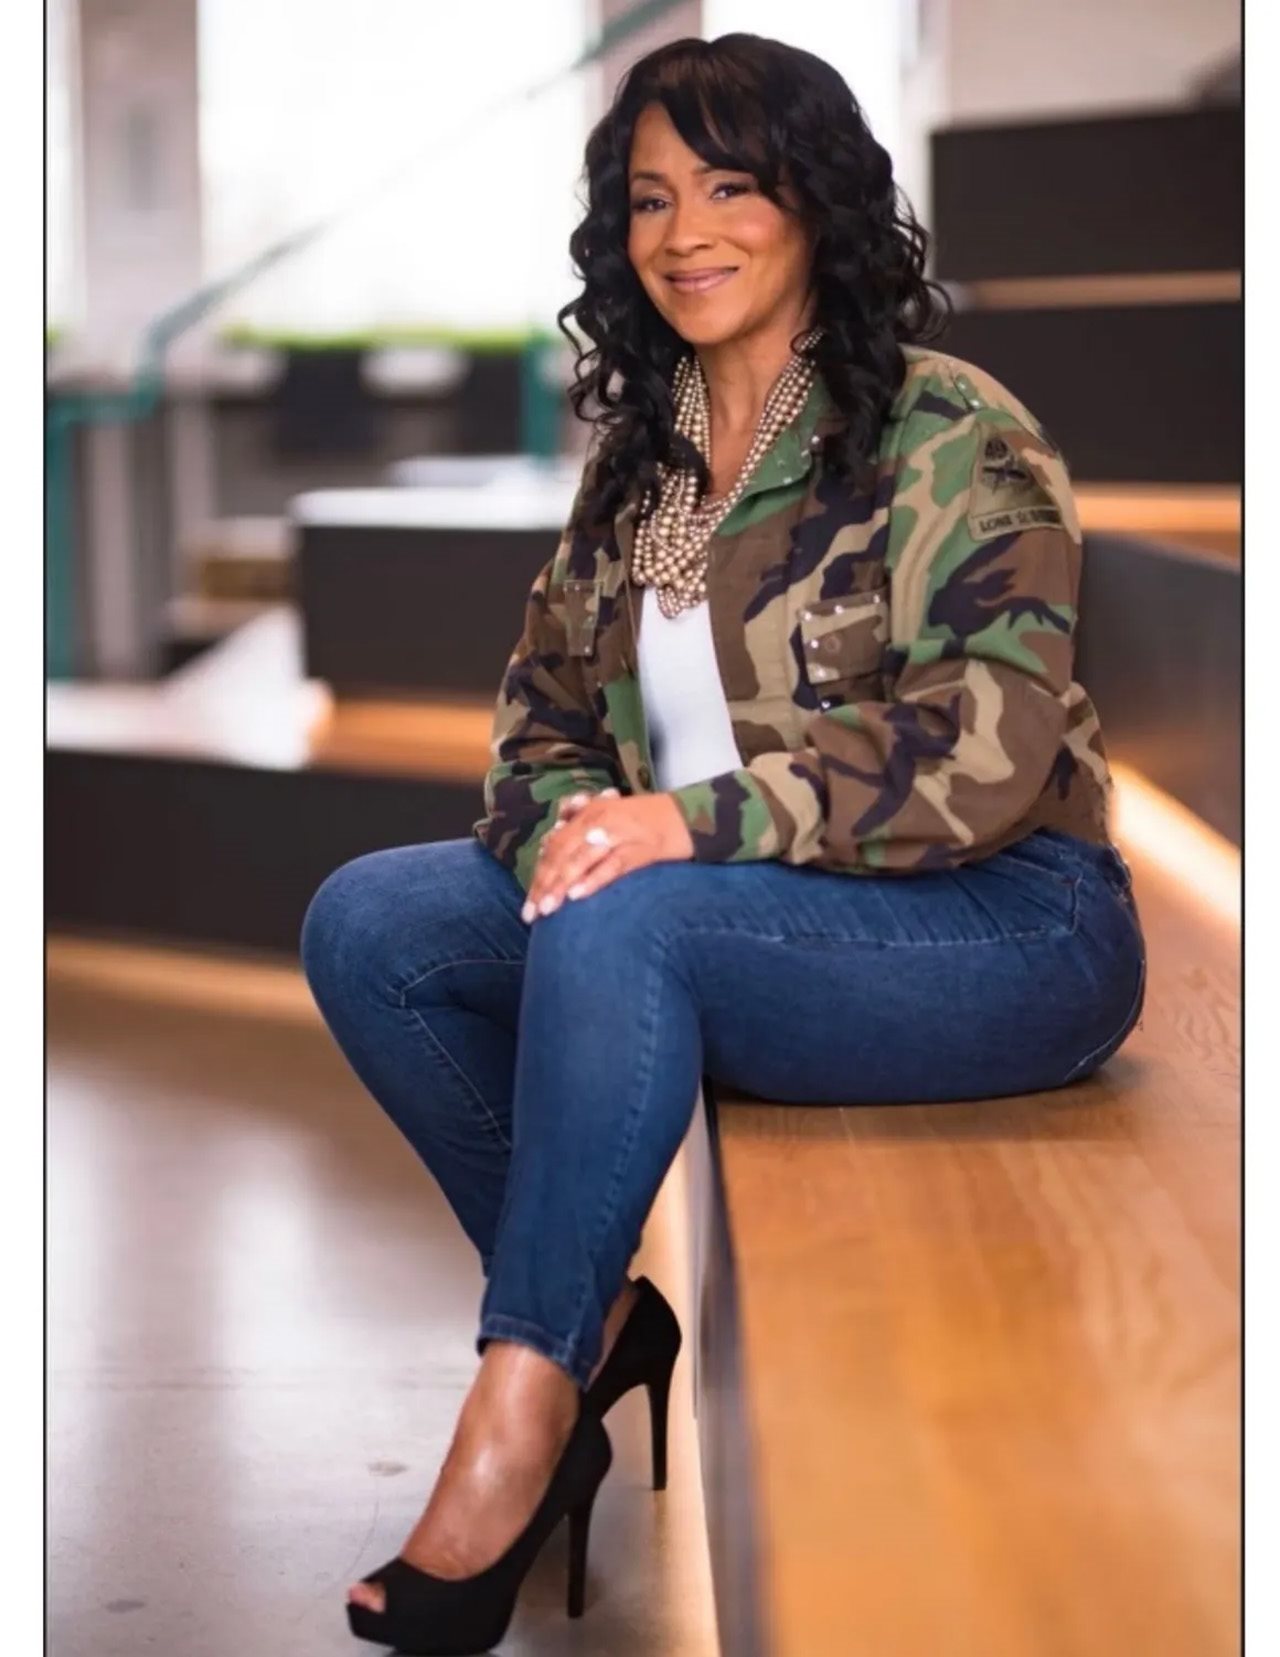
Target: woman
792, 782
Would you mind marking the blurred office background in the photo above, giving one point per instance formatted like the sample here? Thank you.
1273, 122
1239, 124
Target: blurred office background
307, 445
259, 498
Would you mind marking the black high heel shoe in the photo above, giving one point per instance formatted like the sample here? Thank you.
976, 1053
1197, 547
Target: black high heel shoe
431, 1616
644, 1353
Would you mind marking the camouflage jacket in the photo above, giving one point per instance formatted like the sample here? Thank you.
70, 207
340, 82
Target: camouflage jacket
897, 656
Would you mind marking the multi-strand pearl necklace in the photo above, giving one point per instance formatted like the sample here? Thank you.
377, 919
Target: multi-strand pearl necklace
672, 546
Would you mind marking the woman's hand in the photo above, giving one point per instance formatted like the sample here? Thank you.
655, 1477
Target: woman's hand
644, 828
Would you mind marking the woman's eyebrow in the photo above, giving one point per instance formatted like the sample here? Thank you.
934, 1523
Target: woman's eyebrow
661, 178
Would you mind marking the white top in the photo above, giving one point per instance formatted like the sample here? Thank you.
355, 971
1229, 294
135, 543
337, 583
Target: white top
690, 731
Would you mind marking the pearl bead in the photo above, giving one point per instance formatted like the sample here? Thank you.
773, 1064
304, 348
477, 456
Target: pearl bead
672, 548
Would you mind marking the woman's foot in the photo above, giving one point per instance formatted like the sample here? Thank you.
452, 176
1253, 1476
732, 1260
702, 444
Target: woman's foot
514, 1425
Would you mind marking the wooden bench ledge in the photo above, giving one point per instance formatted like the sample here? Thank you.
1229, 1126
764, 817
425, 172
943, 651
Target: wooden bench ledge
989, 1353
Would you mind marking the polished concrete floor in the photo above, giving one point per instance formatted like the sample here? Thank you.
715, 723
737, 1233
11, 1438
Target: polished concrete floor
260, 1323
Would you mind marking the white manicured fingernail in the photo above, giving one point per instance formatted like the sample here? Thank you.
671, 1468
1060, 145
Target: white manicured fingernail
528, 912
549, 903
577, 890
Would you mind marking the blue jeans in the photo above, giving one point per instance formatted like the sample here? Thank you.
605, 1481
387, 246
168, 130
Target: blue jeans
546, 1074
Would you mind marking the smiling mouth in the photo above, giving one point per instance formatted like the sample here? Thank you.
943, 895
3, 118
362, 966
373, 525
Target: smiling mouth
702, 282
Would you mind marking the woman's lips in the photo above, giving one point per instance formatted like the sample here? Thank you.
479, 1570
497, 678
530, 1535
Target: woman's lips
700, 283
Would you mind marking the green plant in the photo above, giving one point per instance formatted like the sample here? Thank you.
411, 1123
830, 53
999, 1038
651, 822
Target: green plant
465, 339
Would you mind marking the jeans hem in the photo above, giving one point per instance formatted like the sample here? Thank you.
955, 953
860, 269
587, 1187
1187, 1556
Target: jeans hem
497, 1326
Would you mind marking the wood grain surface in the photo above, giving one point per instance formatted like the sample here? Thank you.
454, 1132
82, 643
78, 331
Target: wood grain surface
993, 1350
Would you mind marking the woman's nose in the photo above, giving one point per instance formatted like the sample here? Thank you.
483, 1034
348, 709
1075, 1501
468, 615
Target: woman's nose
686, 229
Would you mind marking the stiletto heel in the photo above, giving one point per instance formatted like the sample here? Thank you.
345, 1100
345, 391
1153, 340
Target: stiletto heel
644, 1354
659, 1390
579, 1525
431, 1616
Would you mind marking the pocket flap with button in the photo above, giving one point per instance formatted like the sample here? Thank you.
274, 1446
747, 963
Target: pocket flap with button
581, 614
844, 638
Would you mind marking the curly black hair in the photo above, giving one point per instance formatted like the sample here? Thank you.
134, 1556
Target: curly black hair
755, 105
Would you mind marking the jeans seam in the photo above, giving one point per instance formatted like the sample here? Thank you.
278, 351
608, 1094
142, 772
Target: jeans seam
484, 1115
1045, 934
1126, 1024
627, 1138
459, 961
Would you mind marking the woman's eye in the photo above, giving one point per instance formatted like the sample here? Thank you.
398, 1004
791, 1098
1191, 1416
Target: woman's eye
642, 204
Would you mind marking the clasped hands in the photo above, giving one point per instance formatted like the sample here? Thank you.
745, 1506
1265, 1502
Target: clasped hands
642, 828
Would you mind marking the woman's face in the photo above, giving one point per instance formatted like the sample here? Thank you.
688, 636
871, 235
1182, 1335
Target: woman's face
685, 218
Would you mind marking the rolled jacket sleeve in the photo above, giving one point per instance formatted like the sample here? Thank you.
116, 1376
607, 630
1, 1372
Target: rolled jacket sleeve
984, 564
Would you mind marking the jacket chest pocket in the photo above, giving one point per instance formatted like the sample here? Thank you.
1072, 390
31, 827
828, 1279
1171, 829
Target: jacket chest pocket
843, 641
581, 615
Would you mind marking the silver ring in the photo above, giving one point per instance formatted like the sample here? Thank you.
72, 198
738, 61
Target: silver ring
598, 836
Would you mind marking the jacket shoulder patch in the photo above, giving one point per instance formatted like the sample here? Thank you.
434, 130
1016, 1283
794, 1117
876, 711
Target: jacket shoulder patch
1005, 495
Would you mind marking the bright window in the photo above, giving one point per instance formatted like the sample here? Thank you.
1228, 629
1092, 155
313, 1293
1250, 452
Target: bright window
60, 283
863, 39
305, 108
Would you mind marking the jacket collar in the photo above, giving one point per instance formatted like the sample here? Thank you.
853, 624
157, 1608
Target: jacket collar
791, 455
